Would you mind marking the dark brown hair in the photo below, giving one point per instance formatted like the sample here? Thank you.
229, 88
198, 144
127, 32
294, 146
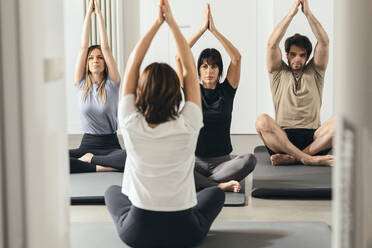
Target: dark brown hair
158, 93
213, 57
300, 41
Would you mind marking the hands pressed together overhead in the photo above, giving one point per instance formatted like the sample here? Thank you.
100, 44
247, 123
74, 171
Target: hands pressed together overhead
208, 20
94, 7
164, 12
304, 7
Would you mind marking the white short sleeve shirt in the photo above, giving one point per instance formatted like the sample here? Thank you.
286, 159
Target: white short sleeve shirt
159, 170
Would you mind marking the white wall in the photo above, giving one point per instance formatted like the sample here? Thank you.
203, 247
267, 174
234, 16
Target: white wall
73, 22
43, 124
247, 24
36, 167
54, 189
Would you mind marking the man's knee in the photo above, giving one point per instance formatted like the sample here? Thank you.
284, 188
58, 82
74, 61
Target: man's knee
264, 123
331, 131
328, 131
331, 127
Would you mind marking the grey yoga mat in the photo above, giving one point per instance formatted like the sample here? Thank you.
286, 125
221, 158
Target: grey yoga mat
222, 234
289, 181
89, 189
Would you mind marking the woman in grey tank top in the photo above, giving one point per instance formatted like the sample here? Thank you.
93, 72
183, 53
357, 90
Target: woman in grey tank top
97, 81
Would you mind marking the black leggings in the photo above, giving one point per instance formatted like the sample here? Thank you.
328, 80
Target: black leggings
143, 228
106, 150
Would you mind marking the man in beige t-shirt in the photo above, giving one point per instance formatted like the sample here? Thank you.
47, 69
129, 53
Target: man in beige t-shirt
297, 135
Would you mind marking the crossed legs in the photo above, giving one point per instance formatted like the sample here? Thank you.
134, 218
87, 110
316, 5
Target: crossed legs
224, 172
88, 160
276, 139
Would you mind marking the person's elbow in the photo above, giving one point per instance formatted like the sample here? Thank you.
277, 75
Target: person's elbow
115, 78
271, 45
237, 58
327, 40
270, 69
189, 73
324, 42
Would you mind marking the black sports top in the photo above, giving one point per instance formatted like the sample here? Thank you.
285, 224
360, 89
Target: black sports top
214, 138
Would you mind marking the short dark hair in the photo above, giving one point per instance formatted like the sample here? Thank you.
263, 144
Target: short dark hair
158, 95
213, 57
300, 41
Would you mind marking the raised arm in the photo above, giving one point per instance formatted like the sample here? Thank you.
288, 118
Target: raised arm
274, 55
233, 72
81, 59
112, 67
135, 59
321, 52
192, 42
202, 30
190, 77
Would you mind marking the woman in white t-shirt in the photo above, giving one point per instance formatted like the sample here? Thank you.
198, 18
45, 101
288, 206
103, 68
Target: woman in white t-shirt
157, 205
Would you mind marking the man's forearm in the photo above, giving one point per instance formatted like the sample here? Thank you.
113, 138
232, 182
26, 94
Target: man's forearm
279, 31
319, 32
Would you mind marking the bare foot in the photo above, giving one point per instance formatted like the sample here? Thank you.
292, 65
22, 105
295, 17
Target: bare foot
232, 185
278, 159
326, 160
100, 168
87, 157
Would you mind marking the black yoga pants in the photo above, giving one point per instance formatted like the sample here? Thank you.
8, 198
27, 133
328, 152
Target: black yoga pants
143, 228
106, 150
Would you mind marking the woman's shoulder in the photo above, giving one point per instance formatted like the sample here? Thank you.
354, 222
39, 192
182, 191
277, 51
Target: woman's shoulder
81, 83
111, 82
226, 86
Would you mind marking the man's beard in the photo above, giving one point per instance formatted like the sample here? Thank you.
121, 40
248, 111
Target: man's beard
297, 70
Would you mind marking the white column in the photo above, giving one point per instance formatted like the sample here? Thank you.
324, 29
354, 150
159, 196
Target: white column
34, 164
353, 84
